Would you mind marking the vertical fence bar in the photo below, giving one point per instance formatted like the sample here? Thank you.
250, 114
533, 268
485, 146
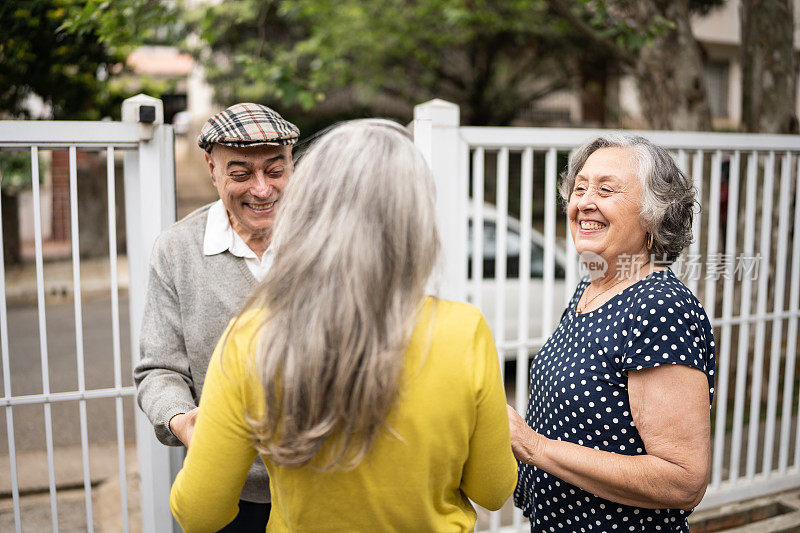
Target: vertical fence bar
681, 160
723, 365
500, 257
791, 335
747, 295
694, 248
763, 278
777, 307
727, 313
526, 216
76, 299
115, 335
462, 165
794, 305
713, 231
549, 239
525, 219
500, 253
477, 226
48, 419
572, 267
6, 360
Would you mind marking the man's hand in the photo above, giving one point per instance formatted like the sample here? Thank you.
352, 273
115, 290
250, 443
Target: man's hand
182, 425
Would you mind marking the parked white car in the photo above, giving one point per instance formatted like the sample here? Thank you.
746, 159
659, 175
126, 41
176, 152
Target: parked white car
489, 285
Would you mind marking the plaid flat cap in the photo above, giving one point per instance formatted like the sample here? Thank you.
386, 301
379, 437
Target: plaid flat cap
247, 125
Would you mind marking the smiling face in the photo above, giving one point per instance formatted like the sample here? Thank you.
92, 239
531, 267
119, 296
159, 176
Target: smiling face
604, 206
250, 181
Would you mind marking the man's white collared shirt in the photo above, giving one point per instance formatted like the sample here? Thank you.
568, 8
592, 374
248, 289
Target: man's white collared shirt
220, 237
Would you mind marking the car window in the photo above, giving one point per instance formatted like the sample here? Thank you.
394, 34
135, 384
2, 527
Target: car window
490, 240
512, 253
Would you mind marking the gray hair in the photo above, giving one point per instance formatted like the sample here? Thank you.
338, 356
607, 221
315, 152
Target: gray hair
668, 196
355, 242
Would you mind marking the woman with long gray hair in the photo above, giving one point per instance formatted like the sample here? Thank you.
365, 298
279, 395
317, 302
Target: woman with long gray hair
373, 407
617, 431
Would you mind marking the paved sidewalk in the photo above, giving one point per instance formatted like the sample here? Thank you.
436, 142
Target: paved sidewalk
21, 287
776, 513
106, 492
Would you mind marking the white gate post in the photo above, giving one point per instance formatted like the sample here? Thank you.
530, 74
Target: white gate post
149, 208
436, 135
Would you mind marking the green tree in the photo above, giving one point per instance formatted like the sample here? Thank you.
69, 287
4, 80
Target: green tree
37, 57
494, 59
653, 40
70, 53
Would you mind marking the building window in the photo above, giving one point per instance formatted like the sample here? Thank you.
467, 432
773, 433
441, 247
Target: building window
717, 86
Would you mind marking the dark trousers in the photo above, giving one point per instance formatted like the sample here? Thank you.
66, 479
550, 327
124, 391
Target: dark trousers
252, 518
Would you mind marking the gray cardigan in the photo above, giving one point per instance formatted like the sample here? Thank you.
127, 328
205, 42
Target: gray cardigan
190, 299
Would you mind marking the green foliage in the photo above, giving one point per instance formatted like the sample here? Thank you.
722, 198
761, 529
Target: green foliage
494, 58
619, 23
68, 52
249, 44
123, 25
35, 57
15, 170
625, 26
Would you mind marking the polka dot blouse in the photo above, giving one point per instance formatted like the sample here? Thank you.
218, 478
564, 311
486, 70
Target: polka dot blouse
579, 394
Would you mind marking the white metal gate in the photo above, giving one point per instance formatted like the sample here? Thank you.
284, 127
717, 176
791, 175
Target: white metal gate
756, 448
149, 206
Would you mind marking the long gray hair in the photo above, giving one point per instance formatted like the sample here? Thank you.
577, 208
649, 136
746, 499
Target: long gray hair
354, 243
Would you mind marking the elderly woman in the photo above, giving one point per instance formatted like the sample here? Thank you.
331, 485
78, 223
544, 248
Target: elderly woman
617, 432
373, 407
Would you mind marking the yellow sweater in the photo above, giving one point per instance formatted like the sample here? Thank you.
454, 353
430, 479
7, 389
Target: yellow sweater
453, 442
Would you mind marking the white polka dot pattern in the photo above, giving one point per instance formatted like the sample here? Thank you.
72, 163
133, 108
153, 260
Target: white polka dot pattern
579, 394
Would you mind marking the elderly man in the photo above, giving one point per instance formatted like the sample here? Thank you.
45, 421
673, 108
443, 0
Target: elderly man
203, 269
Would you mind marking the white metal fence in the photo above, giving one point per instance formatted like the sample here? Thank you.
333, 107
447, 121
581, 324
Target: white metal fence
504, 181
149, 207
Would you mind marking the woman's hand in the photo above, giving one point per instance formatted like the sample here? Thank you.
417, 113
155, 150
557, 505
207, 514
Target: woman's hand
527, 444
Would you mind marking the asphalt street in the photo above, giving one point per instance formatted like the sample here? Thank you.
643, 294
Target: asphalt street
26, 372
